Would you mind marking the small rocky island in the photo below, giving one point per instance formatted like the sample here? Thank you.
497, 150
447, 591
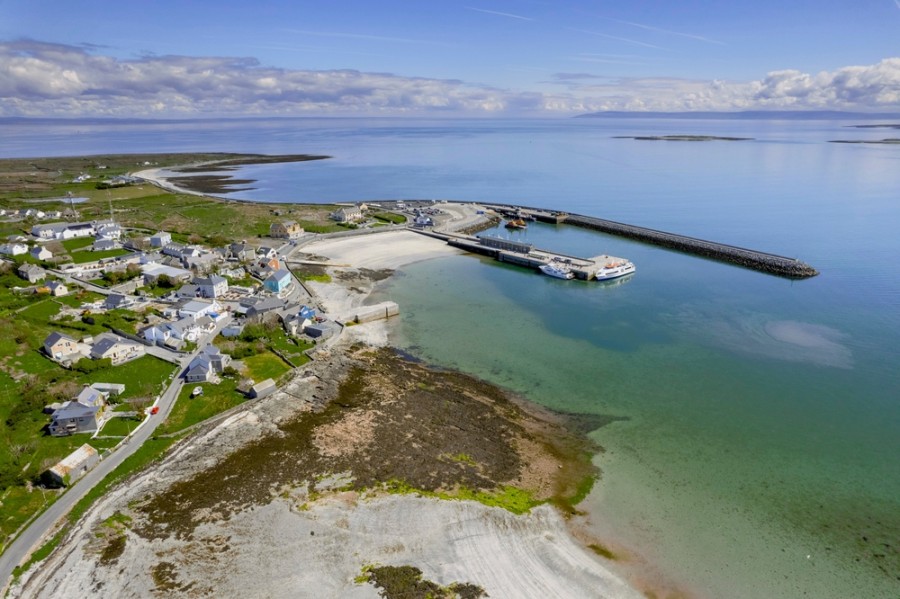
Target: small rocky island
885, 141
681, 138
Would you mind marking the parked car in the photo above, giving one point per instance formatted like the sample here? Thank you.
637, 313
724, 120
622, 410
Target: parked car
154, 411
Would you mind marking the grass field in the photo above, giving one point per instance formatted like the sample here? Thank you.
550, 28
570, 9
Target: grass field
189, 411
72, 245
264, 366
120, 427
91, 256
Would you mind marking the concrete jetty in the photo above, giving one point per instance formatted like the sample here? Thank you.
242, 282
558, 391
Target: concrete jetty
773, 264
525, 254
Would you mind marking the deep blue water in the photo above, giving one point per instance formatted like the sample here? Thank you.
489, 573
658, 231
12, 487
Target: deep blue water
761, 444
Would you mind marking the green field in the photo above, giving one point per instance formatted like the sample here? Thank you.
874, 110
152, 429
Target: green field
120, 427
78, 243
189, 411
264, 366
90, 256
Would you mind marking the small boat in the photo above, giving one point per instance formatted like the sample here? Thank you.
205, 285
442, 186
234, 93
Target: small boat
516, 223
558, 270
614, 270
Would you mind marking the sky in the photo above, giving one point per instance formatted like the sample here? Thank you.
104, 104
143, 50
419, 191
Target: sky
166, 59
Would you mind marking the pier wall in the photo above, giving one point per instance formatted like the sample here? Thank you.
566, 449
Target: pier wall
770, 263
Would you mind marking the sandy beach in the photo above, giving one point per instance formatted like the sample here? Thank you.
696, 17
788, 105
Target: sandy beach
299, 545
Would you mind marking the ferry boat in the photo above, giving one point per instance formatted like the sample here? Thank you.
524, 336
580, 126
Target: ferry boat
614, 270
555, 269
516, 223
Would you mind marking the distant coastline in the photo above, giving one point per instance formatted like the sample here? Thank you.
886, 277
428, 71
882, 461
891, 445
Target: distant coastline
886, 141
681, 138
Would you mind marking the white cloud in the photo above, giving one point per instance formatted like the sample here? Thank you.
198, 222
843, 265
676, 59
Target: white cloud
42, 79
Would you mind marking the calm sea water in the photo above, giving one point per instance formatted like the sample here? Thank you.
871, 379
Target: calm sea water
757, 450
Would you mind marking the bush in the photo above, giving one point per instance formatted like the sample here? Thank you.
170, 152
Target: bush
86, 365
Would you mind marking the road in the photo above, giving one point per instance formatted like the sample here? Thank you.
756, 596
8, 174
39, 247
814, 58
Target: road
41, 527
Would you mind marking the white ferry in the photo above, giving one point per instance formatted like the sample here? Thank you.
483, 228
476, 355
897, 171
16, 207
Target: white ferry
614, 270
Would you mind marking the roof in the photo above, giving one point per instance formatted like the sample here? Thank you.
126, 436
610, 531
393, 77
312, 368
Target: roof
198, 367
74, 409
105, 342
89, 396
56, 336
263, 387
279, 274
117, 387
195, 305
154, 269
211, 280
74, 459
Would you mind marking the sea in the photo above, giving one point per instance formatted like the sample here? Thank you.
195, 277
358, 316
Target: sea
751, 445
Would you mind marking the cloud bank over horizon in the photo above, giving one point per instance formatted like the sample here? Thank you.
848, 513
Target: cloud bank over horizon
40, 79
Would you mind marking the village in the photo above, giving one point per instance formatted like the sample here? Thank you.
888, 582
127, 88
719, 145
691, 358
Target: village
110, 315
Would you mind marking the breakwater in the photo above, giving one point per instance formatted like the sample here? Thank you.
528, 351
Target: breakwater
773, 264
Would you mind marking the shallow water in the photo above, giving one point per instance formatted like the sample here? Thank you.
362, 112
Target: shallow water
758, 454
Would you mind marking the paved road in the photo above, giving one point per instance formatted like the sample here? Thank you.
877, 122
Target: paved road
32, 536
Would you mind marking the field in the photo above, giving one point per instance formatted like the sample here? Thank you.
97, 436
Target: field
265, 365
188, 217
189, 411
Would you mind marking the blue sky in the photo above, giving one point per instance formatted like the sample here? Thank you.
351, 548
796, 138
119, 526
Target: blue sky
467, 57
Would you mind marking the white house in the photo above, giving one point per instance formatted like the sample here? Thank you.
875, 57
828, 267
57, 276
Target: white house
59, 346
13, 249
117, 349
57, 288
109, 231
161, 239
39, 252
209, 362
347, 214
197, 308
211, 287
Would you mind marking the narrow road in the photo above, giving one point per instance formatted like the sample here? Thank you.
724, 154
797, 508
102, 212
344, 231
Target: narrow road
44, 524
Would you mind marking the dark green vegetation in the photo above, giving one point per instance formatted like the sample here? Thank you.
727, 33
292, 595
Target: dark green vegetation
390, 217
406, 582
681, 138
513, 458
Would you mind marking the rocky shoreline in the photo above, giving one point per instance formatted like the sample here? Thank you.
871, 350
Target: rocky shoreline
366, 465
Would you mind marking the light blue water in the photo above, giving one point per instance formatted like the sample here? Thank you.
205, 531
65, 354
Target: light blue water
760, 454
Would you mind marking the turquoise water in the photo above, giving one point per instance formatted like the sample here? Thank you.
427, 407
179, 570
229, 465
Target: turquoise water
761, 427
758, 453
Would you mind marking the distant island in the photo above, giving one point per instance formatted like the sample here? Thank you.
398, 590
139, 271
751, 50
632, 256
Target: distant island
877, 126
886, 141
681, 138
760, 115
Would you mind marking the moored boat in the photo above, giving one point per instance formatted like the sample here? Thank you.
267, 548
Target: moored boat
516, 223
557, 270
614, 270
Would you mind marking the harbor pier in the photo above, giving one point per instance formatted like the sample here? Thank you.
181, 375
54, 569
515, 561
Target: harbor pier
525, 254
773, 264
